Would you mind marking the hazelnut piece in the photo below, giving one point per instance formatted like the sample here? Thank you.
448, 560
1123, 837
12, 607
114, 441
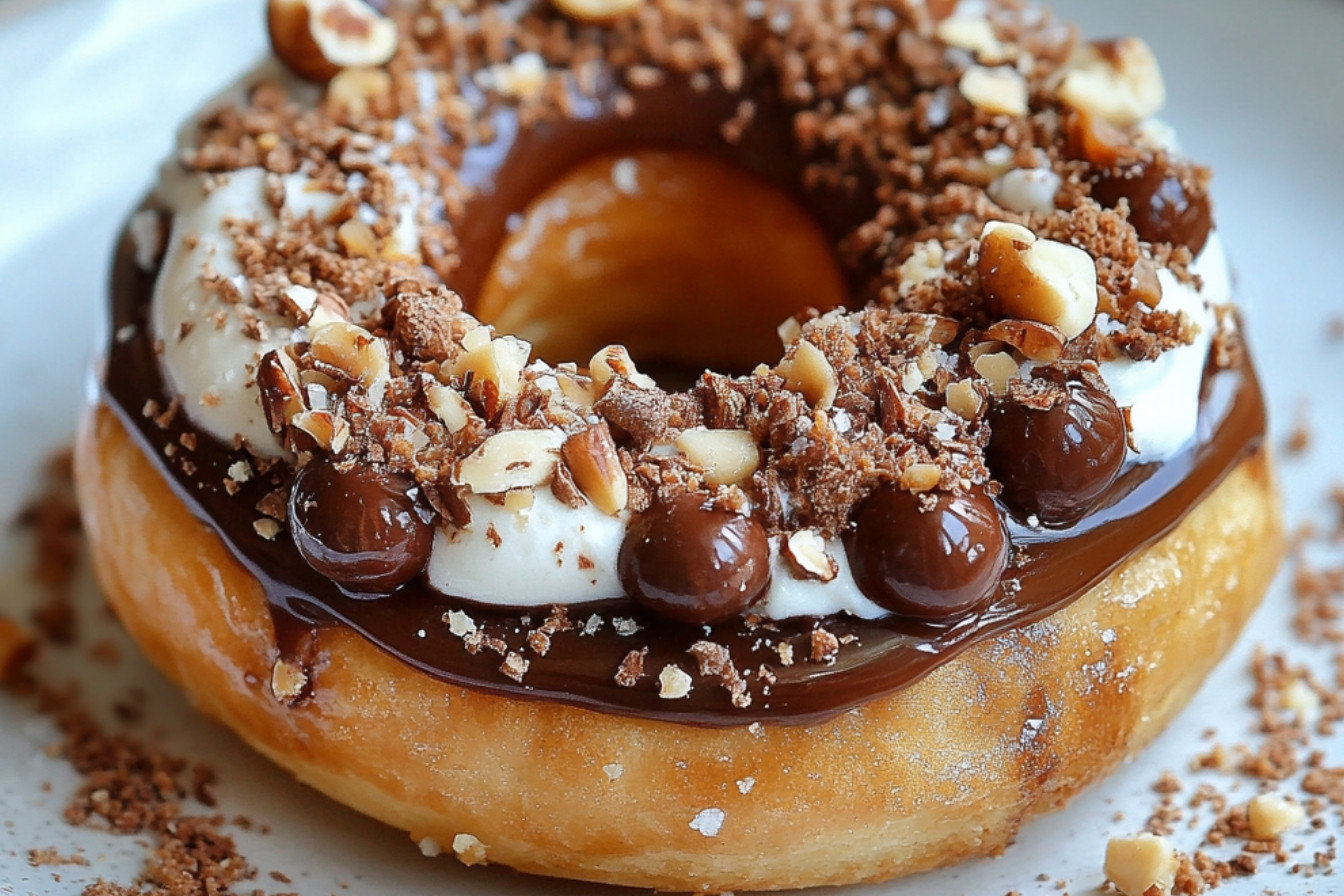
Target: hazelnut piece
1037, 279
318, 38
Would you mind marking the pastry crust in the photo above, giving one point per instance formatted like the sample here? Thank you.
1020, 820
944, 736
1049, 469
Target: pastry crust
942, 771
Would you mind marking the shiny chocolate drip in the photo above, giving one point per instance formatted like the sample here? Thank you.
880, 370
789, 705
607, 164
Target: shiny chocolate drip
1050, 568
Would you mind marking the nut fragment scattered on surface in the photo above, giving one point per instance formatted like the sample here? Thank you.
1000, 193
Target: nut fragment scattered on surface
288, 680
999, 91
451, 408
963, 400
514, 458
592, 460
806, 552
727, 456
1119, 81
920, 478
809, 372
1271, 815
596, 11
1036, 341
356, 89
673, 683
1137, 865
1037, 279
975, 34
469, 850
316, 39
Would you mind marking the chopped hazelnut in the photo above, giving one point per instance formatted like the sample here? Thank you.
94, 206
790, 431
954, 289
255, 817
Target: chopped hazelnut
1118, 81
1271, 815
998, 369
469, 850
673, 683
1138, 864
1037, 279
808, 371
998, 91
514, 458
596, 11
318, 38
352, 350
596, 467
727, 456
288, 681
806, 551
612, 362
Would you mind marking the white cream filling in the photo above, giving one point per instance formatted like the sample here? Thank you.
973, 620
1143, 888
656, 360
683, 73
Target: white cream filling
549, 553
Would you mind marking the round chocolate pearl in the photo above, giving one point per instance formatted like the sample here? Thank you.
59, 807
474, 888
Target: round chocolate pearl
935, 564
693, 564
1160, 208
1056, 463
358, 527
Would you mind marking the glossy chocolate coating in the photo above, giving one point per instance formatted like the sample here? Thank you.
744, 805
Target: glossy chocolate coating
1160, 207
935, 564
1056, 463
695, 565
359, 527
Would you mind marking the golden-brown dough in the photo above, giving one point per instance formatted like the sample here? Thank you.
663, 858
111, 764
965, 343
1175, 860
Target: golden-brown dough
944, 770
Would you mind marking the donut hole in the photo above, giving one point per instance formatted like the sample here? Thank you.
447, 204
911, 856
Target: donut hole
687, 261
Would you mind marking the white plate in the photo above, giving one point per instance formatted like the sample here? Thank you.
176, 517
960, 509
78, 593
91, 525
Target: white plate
90, 93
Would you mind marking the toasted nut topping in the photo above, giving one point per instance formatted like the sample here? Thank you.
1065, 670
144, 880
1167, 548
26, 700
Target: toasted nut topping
596, 11
726, 455
974, 34
499, 362
1137, 864
673, 683
1271, 815
1119, 81
576, 387
1037, 342
612, 362
807, 371
1034, 279
919, 478
288, 681
356, 89
352, 350
515, 458
1096, 140
329, 431
318, 38
790, 331
1026, 190
592, 460
450, 407
522, 77
998, 91
469, 850
963, 400
280, 388
998, 368
357, 239
806, 552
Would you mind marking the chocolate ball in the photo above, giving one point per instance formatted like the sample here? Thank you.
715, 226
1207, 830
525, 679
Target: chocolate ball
693, 564
1161, 209
936, 564
1056, 463
359, 527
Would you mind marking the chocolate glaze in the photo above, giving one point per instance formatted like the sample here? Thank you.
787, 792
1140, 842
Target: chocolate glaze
1050, 567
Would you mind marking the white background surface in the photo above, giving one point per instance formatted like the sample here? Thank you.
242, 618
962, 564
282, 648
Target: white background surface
90, 93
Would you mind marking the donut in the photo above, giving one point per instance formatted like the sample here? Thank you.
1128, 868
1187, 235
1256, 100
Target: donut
691, 445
